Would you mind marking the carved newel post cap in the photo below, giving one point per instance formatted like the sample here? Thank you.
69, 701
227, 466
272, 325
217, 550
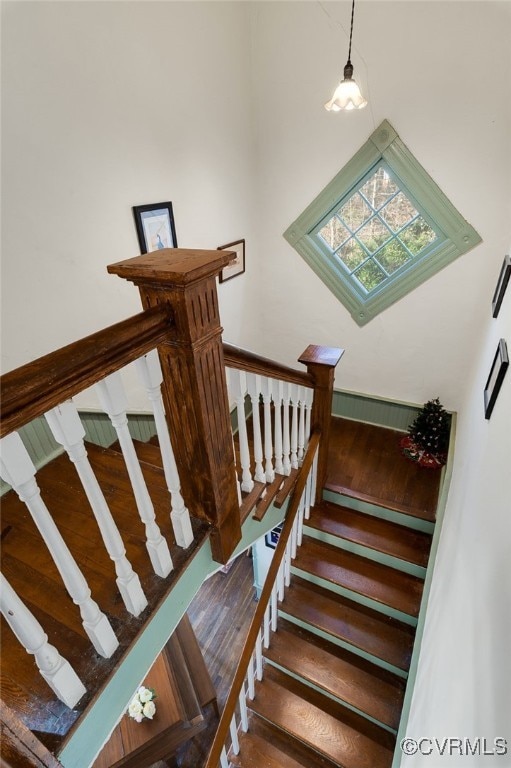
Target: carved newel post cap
177, 266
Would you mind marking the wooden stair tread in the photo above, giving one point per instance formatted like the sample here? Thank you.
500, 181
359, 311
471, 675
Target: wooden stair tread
249, 500
378, 501
393, 588
365, 462
264, 503
339, 734
256, 752
264, 741
287, 487
356, 681
370, 631
372, 532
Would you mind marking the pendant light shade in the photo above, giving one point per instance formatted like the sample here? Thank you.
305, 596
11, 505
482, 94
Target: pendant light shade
347, 94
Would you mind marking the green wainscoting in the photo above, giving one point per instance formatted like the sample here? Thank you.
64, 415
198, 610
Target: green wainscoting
372, 409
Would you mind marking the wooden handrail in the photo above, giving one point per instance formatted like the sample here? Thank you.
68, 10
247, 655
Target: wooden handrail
230, 705
249, 361
34, 388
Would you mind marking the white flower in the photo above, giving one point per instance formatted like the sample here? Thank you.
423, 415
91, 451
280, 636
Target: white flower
139, 718
149, 709
135, 708
144, 694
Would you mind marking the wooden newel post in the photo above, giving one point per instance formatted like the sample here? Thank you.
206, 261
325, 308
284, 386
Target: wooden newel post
321, 363
194, 383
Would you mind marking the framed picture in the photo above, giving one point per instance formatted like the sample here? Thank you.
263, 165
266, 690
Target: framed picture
271, 539
498, 371
236, 267
155, 226
505, 274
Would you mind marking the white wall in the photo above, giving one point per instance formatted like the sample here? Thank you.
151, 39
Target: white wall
440, 73
463, 686
108, 105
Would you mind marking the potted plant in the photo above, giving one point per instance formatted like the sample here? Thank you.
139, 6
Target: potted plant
428, 437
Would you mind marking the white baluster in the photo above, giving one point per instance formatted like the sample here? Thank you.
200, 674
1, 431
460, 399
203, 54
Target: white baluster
259, 656
254, 390
301, 423
277, 388
238, 484
67, 429
266, 633
287, 565
57, 672
16, 468
301, 511
243, 708
313, 483
280, 575
308, 497
309, 397
234, 735
250, 678
150, 372
286, 442
113, 401
274, 609
223, 759
238, 389
294, 532
268, 442
294, 426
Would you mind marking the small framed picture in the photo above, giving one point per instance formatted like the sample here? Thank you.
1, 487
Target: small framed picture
236, 267
498, 371
505, 274
155, 226
271, 539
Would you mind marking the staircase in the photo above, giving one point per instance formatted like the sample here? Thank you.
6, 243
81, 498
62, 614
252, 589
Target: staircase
357, 581
335, 670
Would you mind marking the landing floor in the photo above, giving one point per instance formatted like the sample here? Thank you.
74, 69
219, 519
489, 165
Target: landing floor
366, 460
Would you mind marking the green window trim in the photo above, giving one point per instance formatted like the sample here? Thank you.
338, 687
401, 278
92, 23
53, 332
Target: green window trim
453, 235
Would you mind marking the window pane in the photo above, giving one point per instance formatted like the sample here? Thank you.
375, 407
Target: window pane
417, 235
373, 234
398, 212
370, 275
393, 256
352, 254
333, 233
355, 212
379, 188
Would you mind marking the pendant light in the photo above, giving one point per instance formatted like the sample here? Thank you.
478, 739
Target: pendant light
347, 94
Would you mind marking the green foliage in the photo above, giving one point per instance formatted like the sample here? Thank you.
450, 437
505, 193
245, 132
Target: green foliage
430, 430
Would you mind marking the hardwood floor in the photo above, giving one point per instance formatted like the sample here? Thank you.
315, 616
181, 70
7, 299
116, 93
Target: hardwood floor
366, 460
220, 614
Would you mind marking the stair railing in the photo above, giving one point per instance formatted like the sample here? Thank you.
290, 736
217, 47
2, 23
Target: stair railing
281, 432
250, 666
283, 404
36, 389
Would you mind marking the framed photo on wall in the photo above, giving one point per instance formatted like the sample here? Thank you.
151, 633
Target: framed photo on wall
236, 267
497, 372
155, 226
505, 274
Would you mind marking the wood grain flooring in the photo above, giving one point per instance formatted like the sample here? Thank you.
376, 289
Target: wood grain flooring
366, 461
220, 614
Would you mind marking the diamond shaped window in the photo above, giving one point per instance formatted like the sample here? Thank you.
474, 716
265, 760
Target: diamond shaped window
380, 228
